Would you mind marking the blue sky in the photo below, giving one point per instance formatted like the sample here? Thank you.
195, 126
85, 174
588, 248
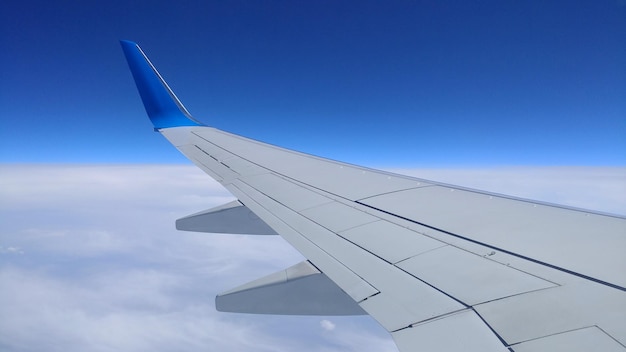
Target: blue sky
394, 84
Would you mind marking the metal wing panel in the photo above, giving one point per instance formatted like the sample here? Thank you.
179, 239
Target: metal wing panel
338, 217
345, 180
544, 233
470, 278
286, 192
270, 212
215, 152
218, 171
411, 294
414, 300
582, 340
462, 331
389, 241
542, 313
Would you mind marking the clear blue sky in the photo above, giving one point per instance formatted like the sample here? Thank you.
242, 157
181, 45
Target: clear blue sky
398, 83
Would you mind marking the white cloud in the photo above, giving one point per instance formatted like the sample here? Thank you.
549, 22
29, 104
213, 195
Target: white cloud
327, 325
10, 250
101, 267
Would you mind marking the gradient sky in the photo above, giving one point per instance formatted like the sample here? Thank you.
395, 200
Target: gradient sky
394, 84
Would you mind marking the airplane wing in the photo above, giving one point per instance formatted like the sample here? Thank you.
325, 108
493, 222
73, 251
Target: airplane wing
441, 267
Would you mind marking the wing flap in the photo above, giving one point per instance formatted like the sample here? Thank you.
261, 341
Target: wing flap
556, 310
299, 290
462, 331
582, 340
470, 278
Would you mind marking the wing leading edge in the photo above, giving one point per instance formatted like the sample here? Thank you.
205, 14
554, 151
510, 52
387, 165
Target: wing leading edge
425, 259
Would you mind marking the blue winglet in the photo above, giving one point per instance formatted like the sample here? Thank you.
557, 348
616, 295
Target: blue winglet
162, 105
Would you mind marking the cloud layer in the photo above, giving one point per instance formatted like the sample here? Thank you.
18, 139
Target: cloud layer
90, 259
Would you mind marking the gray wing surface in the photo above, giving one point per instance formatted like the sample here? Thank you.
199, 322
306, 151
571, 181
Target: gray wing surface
441, 267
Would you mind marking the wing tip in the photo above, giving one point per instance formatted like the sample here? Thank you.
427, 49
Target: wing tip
162, 105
